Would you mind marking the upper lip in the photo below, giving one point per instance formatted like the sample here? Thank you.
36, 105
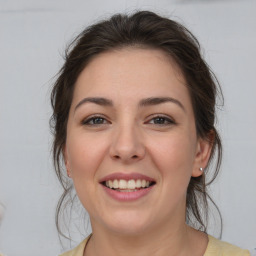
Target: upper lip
126, 176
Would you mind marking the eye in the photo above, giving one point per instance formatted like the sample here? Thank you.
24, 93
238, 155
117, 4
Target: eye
161, 120
94, 120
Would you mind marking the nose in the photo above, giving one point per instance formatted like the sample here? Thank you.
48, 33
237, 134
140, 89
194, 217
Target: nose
127, 144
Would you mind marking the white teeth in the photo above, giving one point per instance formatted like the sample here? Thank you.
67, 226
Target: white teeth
122, 184
131, 184
115, 184
126, 190
138, 183
127, 186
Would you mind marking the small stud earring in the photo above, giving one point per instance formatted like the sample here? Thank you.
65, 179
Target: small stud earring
68, 173
201, 169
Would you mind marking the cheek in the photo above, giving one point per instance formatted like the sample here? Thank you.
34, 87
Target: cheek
85, 153
174, 157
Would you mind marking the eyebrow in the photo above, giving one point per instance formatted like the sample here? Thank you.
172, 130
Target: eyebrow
96, 100
143, 103
159, 100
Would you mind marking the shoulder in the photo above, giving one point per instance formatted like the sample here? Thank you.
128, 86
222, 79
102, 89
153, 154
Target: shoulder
219, 248
77, 251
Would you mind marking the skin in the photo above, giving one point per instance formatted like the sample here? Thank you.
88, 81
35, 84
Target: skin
129, 138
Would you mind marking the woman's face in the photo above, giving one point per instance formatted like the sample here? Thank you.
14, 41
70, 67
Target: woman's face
131, 145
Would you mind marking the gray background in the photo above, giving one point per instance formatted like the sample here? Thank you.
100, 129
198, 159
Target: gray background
33, 36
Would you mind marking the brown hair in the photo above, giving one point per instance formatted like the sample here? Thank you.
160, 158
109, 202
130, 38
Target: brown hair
143, 29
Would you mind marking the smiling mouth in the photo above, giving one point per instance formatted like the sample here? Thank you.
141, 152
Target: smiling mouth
127, 185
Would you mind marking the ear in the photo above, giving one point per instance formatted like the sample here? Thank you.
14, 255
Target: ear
203, 153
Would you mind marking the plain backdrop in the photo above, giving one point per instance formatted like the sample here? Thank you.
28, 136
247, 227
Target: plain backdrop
33, 36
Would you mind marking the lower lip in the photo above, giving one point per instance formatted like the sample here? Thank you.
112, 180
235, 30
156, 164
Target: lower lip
127, 196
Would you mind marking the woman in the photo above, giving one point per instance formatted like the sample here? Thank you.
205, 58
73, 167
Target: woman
134, 114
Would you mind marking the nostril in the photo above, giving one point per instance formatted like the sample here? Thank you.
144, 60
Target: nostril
118, 157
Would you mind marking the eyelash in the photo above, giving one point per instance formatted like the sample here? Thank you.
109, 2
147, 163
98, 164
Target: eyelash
161, 117
166, 119
93, 118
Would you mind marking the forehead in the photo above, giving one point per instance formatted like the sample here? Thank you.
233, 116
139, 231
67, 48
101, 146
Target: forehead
131, 73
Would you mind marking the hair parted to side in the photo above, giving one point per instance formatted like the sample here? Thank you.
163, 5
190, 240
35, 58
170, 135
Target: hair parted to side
143, 29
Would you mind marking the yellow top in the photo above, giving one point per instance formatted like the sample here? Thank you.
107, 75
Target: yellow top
215, 247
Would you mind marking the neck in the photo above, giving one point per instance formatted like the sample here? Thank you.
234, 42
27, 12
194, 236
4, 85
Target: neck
168, 240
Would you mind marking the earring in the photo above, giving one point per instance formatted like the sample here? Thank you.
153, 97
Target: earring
68, 173
201, 169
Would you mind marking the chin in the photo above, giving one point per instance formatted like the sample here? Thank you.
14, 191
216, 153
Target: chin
129, 230
129, 224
